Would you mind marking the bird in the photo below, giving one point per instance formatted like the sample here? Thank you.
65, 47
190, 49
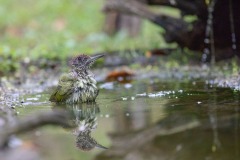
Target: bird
79, 85
86, 143
85, 118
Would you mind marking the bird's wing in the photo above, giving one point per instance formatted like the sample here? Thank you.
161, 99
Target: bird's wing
64, 89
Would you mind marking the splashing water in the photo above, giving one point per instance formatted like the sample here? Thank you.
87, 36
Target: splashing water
209, 50
233, 35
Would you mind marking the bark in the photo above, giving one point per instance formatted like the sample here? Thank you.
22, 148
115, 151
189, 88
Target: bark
188, 7
175, 28
190, 34
116, 21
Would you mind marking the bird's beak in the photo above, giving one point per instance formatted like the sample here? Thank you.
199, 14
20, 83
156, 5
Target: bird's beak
94, 58
100, 146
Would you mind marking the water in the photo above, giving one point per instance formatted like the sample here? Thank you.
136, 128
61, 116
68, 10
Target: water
145, 120
233, 35
209, 43
209, 50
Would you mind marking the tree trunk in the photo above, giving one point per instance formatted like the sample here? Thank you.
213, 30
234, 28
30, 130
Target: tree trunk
116, 21
190, 34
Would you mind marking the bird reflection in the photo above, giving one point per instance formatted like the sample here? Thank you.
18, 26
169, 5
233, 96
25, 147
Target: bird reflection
84, 117
85, 142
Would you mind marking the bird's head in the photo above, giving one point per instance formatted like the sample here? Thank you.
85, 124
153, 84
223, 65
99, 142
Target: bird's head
84, 62
86, 143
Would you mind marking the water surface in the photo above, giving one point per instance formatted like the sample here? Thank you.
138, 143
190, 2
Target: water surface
147, 119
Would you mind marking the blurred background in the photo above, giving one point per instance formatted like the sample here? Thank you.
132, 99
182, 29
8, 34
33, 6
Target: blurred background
57, 30
169, 81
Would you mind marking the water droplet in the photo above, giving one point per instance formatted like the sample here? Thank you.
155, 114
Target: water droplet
206, 40
128, 85
232, 27
124, 98
107, 115
199, 102
178, 147
142, 94
151, 95
108, 85
234, 46
180, 91
32, 99
209, 39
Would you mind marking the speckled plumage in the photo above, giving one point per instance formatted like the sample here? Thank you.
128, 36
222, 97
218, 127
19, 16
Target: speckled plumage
77, 86
85, 142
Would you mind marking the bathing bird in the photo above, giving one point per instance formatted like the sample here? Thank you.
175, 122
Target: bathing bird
79, 85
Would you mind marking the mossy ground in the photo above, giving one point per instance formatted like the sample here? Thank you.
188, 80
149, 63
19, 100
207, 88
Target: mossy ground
58, 29
47, 33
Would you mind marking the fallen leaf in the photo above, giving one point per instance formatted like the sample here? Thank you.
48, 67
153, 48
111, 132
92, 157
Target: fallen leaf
123, 75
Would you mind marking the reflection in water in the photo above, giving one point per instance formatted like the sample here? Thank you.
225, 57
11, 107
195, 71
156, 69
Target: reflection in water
86, 142
84, 117
212, 113
188, 130
157, 121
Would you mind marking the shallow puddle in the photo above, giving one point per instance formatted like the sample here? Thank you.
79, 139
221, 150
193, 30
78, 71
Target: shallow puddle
145, 120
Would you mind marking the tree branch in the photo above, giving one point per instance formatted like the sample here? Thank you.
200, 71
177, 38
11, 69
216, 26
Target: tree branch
57, 117
176, 29
188, 7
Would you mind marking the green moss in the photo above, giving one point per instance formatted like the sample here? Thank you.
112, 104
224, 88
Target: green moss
59, 29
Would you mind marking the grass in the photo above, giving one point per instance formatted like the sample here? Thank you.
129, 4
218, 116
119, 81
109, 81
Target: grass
47, 28
58, 29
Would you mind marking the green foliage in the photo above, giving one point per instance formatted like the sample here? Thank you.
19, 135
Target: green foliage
7, 65
47, 28
59, 29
